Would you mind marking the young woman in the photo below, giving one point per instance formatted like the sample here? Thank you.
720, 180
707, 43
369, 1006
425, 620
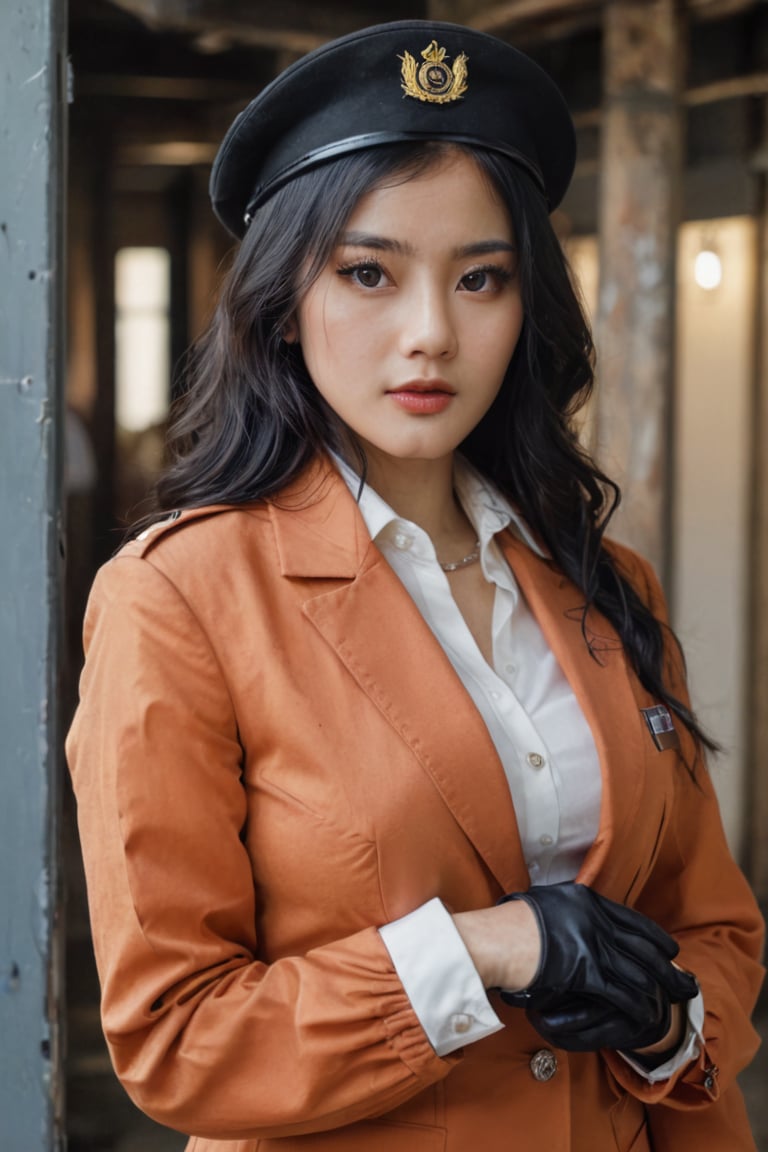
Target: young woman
396, 824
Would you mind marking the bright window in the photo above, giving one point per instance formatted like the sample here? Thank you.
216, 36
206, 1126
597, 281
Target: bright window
142, 336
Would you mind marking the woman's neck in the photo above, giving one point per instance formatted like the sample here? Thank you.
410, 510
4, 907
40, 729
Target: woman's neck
422, 491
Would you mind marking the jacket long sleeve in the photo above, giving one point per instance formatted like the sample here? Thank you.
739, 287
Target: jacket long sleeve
200, 1030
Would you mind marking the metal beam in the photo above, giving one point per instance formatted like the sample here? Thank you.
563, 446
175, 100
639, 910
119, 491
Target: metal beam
732, 88
292, 26
718, 9
136, 86
493, 17
297, 26
496, 14
33, 55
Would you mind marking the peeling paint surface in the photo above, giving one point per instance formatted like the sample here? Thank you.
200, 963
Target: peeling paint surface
32, 37
640, 179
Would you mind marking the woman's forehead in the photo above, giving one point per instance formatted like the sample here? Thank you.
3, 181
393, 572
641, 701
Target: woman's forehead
452, 200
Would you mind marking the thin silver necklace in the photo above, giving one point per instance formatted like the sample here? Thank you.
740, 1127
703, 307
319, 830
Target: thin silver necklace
471, 558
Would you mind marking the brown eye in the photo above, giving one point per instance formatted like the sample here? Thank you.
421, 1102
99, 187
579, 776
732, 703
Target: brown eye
366, 273
491, 279
369, 275
475, 281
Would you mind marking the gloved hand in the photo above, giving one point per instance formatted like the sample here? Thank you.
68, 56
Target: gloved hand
586, 1024
605, 977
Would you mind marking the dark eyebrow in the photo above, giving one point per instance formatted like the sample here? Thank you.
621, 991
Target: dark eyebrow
378, 243
385, 244
483, 247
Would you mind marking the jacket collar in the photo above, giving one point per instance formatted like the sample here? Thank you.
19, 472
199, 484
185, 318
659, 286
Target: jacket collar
318, 527
377, 631
486, 508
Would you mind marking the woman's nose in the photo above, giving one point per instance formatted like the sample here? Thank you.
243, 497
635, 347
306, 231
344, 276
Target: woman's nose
428, 327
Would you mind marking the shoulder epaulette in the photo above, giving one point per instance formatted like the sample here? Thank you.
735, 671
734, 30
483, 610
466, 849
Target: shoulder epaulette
146, 539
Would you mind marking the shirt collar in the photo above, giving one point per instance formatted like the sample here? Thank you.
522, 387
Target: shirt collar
487, 509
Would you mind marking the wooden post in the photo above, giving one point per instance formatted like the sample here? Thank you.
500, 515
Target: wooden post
757, 678
639, 207
32, 80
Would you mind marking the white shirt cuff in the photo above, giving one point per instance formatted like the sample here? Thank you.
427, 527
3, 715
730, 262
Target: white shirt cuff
439, 978
688, 1050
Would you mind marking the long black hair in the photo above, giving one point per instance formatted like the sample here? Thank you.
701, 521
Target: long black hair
250, 419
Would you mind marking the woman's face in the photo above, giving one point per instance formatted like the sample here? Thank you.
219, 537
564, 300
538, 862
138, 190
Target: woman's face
410, 327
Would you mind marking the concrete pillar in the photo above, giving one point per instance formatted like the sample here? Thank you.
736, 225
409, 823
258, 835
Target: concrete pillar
639, 207
32, 80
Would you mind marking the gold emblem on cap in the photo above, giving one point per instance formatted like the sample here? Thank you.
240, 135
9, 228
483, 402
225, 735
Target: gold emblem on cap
433, 81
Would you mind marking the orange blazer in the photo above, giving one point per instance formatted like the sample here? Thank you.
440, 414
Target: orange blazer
273, 756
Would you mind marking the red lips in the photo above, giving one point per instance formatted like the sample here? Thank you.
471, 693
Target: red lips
424, 386
423, 397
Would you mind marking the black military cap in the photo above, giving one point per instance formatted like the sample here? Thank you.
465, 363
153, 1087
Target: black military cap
406, 80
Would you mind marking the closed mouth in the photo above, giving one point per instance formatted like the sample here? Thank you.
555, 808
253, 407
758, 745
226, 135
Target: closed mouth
425, 386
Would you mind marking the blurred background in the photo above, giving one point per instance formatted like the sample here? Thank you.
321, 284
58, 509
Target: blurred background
665, 228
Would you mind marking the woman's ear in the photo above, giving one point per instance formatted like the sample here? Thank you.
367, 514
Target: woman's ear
290, 331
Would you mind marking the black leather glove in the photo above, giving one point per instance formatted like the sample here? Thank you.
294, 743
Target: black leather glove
585, 1025
605, 978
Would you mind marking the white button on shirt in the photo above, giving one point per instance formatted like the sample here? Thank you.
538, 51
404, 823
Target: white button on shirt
539, 731
532, 715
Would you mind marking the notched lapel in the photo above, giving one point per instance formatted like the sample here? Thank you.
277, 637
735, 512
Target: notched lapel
605, 690
378, 633
319, 531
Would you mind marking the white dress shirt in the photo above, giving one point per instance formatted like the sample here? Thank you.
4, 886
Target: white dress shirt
538, 728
